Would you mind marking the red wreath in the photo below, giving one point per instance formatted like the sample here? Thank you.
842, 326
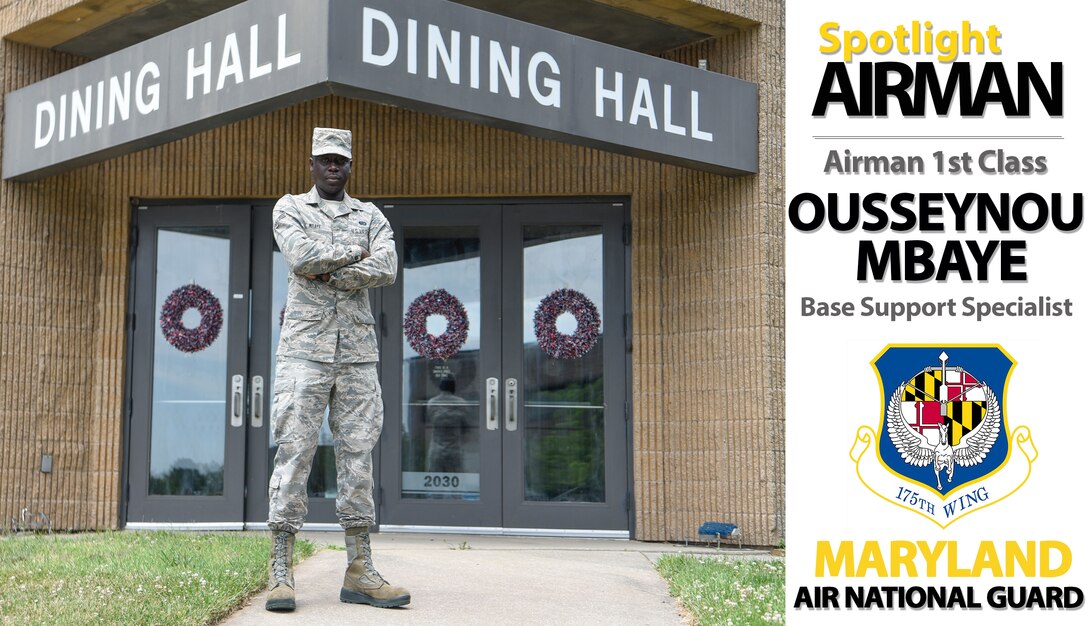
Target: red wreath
449, 343
191, 296
560, 345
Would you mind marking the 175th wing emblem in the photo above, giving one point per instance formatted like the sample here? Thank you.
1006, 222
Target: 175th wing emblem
943, 418
944, 448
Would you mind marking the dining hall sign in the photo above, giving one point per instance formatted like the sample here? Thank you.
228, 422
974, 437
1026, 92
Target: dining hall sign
428, 55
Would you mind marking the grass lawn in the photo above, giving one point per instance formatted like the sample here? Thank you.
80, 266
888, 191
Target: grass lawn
130, 577
734, 591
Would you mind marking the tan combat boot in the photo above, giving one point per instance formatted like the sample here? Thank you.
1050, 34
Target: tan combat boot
281, 580
362, 583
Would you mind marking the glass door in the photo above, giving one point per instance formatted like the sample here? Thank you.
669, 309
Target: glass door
441, 442
564, 367
210, 287
487, 424
188, 431
269, 285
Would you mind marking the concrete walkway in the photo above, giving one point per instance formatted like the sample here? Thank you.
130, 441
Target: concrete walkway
481, 580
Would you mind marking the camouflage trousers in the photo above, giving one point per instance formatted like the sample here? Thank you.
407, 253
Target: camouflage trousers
303, 390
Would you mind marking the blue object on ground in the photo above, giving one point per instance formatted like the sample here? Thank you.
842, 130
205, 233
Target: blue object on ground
719, 529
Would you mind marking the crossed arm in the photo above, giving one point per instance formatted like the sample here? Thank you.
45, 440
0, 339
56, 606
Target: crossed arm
304, 255
342, 267
377, 268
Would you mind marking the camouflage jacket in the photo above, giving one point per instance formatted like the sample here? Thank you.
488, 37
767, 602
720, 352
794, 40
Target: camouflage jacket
331, 321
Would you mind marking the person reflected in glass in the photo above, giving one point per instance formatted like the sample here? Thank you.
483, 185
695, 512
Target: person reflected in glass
448, 416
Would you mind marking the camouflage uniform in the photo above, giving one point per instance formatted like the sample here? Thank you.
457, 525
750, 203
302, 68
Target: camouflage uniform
328, 352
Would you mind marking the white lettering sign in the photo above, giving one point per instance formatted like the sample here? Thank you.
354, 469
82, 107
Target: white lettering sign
231, 62
110, 101
445, 51
56, 121
643, 107
436, 57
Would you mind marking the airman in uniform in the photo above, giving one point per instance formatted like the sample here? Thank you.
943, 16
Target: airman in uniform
336, 248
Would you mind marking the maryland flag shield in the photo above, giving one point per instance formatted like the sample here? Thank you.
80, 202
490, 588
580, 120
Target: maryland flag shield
952, 397
943, 448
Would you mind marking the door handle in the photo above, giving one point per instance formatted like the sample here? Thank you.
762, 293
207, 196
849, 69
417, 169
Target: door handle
237, 399
256, 402
511, 404
492, 404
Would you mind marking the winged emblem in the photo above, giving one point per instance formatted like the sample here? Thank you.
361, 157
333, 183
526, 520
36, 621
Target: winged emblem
943, 417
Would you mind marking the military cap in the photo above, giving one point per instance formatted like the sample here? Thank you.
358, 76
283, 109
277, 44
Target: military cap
332, 141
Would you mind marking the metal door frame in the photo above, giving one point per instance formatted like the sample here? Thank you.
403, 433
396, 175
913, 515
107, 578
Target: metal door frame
258, 357
612, 514
262, 359
483, 215
613, 214
259, 300
179, 509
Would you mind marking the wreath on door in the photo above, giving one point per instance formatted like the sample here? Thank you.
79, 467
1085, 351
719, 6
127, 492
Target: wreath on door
436, 302
180, 300
561, 345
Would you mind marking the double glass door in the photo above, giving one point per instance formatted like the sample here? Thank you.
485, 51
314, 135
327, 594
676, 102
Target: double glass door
505, 368
209, 289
